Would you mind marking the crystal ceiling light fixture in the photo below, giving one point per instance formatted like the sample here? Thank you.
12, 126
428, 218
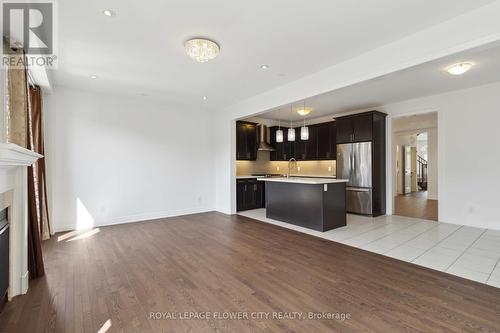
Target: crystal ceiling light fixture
460, 68
201, 49
304, 130
291, 130
279, 132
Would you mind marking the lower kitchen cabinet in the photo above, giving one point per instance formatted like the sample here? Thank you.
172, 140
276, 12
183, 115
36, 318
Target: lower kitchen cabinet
250, 194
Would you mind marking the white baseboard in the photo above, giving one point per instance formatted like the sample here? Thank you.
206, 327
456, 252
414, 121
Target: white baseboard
139, 218
432, 197
25, 282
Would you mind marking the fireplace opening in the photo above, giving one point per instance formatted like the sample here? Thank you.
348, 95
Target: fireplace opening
4, 255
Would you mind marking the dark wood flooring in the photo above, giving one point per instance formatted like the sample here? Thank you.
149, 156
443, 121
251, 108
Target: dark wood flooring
416, 205
215, 262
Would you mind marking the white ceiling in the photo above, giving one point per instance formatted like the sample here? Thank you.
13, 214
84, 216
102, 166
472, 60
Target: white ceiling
427, 79
140, 51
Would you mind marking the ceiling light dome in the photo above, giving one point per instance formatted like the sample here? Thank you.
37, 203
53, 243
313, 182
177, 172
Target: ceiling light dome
304, 111
202, 50
460, 68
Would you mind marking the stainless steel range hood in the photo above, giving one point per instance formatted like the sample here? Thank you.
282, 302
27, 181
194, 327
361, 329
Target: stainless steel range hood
263, 136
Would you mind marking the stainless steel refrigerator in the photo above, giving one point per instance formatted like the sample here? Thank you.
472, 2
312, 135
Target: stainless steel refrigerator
354, 162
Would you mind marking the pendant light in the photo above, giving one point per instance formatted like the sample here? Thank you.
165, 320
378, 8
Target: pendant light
291, 130
304, 130
279, 132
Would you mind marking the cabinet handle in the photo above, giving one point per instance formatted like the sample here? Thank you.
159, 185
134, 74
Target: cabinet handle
245, 188
255, 187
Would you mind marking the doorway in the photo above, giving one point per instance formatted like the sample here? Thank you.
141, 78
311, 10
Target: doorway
415, 141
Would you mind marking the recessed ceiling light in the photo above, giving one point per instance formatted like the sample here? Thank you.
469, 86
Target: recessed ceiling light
264, 67
108, 12
460, 68
205, 98
201, 49
93, 77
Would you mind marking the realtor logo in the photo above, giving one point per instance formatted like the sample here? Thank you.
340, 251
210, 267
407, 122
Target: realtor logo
30, 26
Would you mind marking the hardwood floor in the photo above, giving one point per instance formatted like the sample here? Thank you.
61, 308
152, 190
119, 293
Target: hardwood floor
416, 205
215, 262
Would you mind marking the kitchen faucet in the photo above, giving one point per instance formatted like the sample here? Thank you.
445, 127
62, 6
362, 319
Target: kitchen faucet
290, 166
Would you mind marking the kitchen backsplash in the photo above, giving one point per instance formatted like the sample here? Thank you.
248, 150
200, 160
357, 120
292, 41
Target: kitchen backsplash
262, 166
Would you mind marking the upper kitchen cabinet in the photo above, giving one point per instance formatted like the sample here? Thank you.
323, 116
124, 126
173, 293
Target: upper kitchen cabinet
284, 150
311, 144
355, 128
327, 143
321, 144
246, 141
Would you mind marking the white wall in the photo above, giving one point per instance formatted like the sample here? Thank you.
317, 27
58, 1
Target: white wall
113, 159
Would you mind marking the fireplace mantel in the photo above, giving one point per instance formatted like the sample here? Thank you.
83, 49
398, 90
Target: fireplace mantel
12, 155
14, 161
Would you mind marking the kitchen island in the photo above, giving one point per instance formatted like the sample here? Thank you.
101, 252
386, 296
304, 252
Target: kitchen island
314, 203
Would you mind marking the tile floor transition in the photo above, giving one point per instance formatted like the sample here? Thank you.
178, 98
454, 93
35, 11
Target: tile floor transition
471, 253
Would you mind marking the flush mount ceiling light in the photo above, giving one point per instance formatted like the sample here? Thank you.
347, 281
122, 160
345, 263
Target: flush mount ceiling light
304, 111
460, 68
201, 50
108, 12
205, 98
264, 67
93, 77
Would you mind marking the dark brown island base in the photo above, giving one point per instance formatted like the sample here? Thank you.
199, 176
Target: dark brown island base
314, 203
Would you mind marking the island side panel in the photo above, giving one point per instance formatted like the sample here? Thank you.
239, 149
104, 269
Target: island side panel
334, 206
299, 204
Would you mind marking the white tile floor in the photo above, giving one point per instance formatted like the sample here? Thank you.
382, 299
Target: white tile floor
471, 253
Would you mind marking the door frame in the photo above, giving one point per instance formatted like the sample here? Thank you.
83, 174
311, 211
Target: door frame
391, 180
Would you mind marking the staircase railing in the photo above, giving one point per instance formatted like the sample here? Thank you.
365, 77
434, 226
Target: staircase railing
422, 172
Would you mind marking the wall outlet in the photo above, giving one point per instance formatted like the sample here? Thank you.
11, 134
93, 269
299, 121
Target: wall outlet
329, 169
298, 169
278, 168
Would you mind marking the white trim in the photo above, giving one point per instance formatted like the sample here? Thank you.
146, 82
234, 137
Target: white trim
14, 155
140, 217
25, 282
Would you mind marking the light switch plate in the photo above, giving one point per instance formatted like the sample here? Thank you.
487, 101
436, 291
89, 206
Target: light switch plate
325, 187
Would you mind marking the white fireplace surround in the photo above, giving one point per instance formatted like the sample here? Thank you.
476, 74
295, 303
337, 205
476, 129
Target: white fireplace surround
14, 161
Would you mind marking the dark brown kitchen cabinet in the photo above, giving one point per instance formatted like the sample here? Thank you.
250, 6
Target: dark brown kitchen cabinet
284, 150
355, 128
246, 141
362, 126
327, 146
321, 144
344, 131
299, 150
249, 194
311, 143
